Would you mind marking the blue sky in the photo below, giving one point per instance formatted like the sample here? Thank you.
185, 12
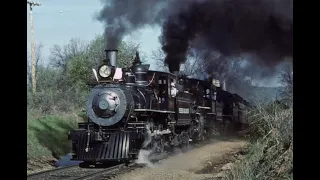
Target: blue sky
57, 21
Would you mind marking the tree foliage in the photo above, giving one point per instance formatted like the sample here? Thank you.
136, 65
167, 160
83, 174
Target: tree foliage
62, 84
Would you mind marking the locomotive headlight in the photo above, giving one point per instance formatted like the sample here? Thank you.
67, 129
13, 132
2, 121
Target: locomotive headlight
104, 71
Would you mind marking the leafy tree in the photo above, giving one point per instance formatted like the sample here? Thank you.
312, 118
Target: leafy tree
126, 52
96, 51
60, 55
79, 71
62, 86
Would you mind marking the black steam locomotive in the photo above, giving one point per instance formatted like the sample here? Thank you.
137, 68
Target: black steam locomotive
133, 108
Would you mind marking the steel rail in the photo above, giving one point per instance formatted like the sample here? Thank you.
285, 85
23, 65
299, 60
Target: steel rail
104, 171
51, 170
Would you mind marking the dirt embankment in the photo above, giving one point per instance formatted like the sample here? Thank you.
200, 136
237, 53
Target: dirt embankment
43, 164
207, 162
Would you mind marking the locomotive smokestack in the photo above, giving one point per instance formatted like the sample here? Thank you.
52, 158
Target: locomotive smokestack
176, 70
112, 57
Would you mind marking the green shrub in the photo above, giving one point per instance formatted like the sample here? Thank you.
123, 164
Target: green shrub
47, 136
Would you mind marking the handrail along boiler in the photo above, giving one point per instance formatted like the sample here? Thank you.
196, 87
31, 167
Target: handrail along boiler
133, 108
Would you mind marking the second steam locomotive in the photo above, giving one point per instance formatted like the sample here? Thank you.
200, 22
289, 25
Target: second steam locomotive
134, 108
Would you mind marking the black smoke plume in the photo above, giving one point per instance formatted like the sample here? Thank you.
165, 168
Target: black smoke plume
261, 28
121, 17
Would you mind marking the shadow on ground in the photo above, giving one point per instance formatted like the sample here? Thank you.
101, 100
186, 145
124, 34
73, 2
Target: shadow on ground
66, 161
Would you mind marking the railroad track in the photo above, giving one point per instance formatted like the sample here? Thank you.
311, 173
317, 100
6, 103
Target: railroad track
76, 173
55, 170
112, 172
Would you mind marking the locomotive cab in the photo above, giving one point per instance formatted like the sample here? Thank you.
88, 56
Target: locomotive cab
162, 84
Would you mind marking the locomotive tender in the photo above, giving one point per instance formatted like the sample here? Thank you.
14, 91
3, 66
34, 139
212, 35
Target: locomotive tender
133, 108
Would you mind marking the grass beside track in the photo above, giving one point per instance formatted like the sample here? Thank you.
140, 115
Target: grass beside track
270, 154
47, 136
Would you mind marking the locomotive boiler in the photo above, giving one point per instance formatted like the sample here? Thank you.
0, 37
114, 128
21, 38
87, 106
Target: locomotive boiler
134, 108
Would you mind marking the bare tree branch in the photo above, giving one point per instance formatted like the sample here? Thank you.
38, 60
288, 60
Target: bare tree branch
286, 79
158, 57
61, 55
